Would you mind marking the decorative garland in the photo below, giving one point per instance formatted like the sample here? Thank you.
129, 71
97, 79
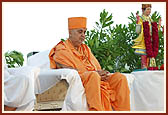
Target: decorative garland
152, 46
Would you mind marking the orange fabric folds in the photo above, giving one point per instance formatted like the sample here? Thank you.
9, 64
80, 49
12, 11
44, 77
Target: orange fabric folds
52, 62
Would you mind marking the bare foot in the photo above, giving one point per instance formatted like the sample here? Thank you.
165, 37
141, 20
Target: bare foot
7, 108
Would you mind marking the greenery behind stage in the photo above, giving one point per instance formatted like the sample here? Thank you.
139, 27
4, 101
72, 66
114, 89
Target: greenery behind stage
112, 45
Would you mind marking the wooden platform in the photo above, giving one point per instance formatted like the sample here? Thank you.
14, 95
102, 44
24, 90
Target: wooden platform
48, 106
52, 99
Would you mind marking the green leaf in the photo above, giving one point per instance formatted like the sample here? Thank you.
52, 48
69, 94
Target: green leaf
110, 67
108, 24
14, 57
62, 39
109, 18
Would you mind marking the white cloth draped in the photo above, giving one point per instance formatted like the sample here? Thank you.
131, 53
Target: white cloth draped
147, 93
19, 87
75, 99
146, 87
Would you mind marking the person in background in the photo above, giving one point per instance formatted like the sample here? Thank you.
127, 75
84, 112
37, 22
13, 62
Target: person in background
104, 91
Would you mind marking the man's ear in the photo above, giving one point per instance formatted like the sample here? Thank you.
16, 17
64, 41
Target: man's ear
70, 32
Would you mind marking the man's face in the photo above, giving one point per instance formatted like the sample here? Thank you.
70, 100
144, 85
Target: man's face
147, 11
77, 36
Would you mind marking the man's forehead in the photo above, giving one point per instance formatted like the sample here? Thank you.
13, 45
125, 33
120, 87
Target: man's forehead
148, 8
81, 29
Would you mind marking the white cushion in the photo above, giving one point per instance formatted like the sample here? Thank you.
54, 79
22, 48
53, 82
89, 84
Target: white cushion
40, 60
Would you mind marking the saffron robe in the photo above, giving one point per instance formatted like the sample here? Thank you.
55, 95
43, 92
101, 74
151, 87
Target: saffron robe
112, 94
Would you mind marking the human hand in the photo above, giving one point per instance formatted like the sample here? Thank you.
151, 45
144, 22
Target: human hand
59, 66
137, 17
103, 74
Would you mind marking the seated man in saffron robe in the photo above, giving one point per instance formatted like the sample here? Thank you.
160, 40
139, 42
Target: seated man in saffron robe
104, 91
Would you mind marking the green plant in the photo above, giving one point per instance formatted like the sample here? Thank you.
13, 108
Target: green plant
99, 40
112, 45
14, 59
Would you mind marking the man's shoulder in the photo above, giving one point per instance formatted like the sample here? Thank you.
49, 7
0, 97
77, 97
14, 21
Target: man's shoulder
60, 46
57, 49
